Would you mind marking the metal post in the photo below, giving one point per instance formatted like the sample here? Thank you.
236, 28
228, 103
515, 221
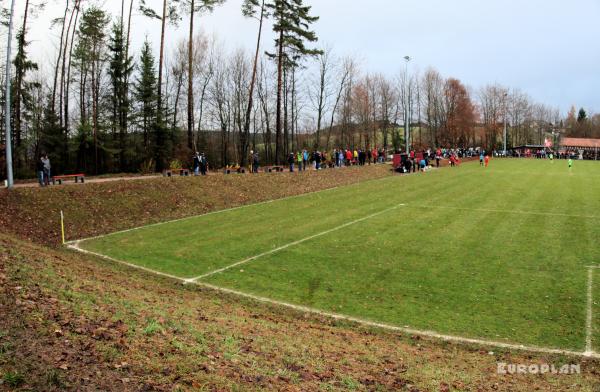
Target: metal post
8, 136
505, 125
406, 106
505, 132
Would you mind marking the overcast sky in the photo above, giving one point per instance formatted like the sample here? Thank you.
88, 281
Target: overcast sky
550, 49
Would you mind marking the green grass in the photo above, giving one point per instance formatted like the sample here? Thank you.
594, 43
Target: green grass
497, 253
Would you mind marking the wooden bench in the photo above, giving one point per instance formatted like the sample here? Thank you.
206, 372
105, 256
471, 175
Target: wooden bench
77, 177
239, 170
182, 172
273, 169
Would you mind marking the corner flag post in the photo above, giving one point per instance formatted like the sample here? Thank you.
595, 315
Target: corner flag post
62, 226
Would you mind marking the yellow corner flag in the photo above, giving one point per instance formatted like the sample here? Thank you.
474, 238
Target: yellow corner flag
62, 226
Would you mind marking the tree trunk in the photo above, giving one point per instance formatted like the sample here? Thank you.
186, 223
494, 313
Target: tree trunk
63, 67
201, 113
67, 89
53, 105
128, 39
94, 116
82, 81
161, 57
190, 97
159, 117
293, 109
321, 103
286, 136
253, 80
279, 88
177, 95
19, 84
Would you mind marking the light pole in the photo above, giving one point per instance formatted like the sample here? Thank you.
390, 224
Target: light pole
505, 124
9, 167
406, 106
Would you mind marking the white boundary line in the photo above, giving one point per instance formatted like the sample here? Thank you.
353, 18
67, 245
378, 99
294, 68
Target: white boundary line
588, 321
74, 245
245, 261
342, 317
225, 210
589, 352
507, 211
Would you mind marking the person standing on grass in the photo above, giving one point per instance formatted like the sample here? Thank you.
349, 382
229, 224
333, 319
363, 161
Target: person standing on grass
305, 159
481, 158
39, 168
570, 163
203, 164
487, 160
291, 162
47, 167
407, 166
299, 159
255, 162
197, 163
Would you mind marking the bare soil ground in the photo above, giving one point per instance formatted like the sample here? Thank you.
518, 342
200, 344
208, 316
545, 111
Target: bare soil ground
73, 322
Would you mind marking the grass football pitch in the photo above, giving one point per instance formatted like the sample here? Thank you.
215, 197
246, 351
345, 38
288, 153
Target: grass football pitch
501, 254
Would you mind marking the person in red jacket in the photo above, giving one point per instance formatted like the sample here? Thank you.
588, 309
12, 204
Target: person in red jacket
487, 160
348, 157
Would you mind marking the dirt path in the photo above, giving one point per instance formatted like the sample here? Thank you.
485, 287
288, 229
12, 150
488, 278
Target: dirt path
90, 180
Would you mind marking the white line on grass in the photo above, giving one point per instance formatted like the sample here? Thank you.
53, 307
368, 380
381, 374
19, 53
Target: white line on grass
588, 321
222, 211
508, 211
249, 259
342, 317
75, 246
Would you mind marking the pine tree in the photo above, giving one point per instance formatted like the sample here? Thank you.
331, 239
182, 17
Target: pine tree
22, 66
169, 13
90, 58
119, 68
20, 92
145, 96
292, 21
581, 116
51, 139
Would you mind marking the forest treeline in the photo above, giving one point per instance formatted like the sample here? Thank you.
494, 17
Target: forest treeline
103, 108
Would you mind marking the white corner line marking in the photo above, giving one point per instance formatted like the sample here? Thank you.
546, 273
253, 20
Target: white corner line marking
342, 317
404, 330
75, 246
226, 210
336, 316
588, 320
280, 248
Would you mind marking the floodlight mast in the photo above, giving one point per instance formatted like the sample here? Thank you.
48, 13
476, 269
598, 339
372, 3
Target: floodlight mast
505, 153
8, 136
406, 106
